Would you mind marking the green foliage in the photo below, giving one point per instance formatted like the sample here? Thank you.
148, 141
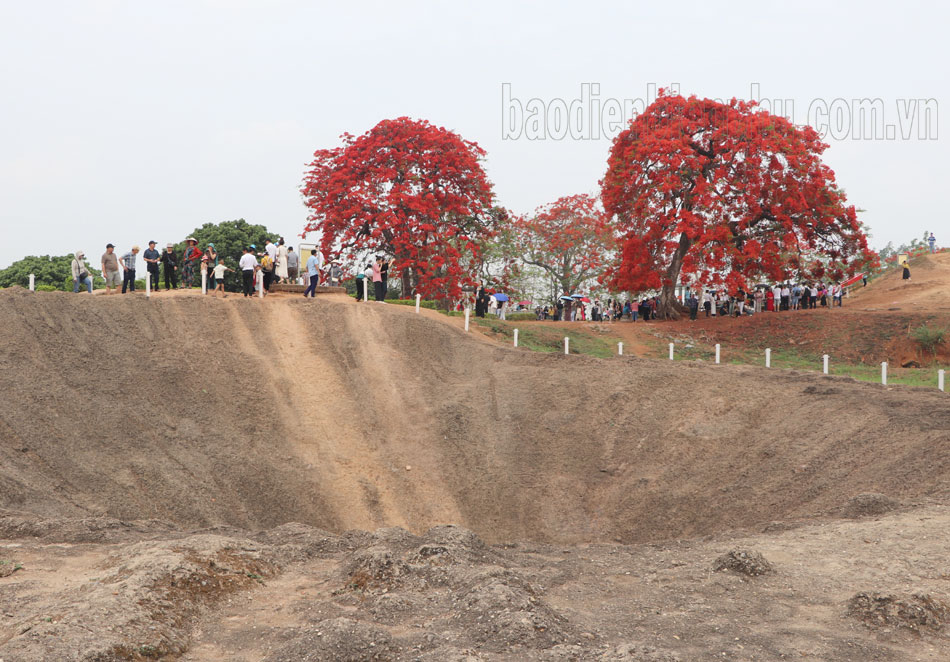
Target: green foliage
229, 238
51, 272
929, 337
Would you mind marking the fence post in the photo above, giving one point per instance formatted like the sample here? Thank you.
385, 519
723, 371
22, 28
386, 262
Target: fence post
466, 319
824, 367
32, 282
260, 284
717, 353
204, 281
940, 379
768, 357
148, 284
884, 373
418, 301
567, 342
619, 349
516, 337
671, 351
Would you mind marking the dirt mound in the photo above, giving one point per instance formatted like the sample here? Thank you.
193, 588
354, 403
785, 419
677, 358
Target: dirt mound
252, 414
744, 562
868, 504
139, 605
911, 612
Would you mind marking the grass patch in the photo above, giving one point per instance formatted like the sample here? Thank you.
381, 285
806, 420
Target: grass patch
929, 337
547, 339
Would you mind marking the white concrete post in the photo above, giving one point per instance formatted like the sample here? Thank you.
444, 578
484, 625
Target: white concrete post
148, 284
717, 353
466, 319
824, 367
365, 289
204, 281
260, 284
418, 301
884, 373
32, 283
516, 337
768, 357
671, 351
940, 379
567, 345
619, 349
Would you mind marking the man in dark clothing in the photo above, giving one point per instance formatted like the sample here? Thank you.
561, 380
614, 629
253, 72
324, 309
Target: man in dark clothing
693, 304
152, 257
170, 267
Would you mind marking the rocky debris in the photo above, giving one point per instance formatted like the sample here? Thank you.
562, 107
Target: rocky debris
144, 603
912, 612
638, 653
744, 562
7, 568
868, 504
340, 640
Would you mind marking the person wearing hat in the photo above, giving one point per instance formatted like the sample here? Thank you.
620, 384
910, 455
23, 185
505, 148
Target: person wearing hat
170, 267
128, 270
336, 273
152, 258
191, 255
110, 269
80, 273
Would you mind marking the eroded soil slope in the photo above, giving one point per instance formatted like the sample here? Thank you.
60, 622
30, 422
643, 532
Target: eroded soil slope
338, 415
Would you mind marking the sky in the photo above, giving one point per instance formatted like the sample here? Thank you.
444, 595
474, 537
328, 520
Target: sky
125, 121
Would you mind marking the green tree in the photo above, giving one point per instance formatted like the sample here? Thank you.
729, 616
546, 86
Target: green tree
229, 239
49, 270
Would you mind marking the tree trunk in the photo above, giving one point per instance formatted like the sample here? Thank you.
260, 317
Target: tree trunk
669, 307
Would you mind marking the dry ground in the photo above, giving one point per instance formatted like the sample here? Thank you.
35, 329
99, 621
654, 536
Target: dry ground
130, 423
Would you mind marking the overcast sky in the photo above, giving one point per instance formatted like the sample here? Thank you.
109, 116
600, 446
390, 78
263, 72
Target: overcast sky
126, 121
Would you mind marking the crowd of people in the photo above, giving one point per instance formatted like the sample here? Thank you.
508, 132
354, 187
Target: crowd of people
777, 298
276, 262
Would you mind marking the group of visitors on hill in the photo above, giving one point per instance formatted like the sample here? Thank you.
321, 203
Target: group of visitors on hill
277, 262
375, 275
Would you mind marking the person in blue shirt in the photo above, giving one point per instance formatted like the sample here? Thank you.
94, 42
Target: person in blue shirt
933, 242
313, 271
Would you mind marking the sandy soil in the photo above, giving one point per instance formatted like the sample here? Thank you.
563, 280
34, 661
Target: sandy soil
129, 423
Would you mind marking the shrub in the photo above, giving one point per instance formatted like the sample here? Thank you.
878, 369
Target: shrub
929, 337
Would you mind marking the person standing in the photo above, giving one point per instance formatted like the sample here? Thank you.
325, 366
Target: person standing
191, 255
693, 304
247, 264
218, 278
786, 295
110, 269
384, 273
313, 271
336, 273
80, 272
152, 257
378, 279
128, 270
293, 265
209, 262
906, 274
280, 270
170, 267
267, 266
933, 243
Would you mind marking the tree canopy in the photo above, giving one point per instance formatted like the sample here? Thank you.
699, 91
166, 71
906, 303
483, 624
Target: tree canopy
710, 193
49, 270
569, 240
410, 189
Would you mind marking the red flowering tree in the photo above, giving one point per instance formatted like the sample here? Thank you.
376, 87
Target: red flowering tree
413, 190
710, 193
569, 240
